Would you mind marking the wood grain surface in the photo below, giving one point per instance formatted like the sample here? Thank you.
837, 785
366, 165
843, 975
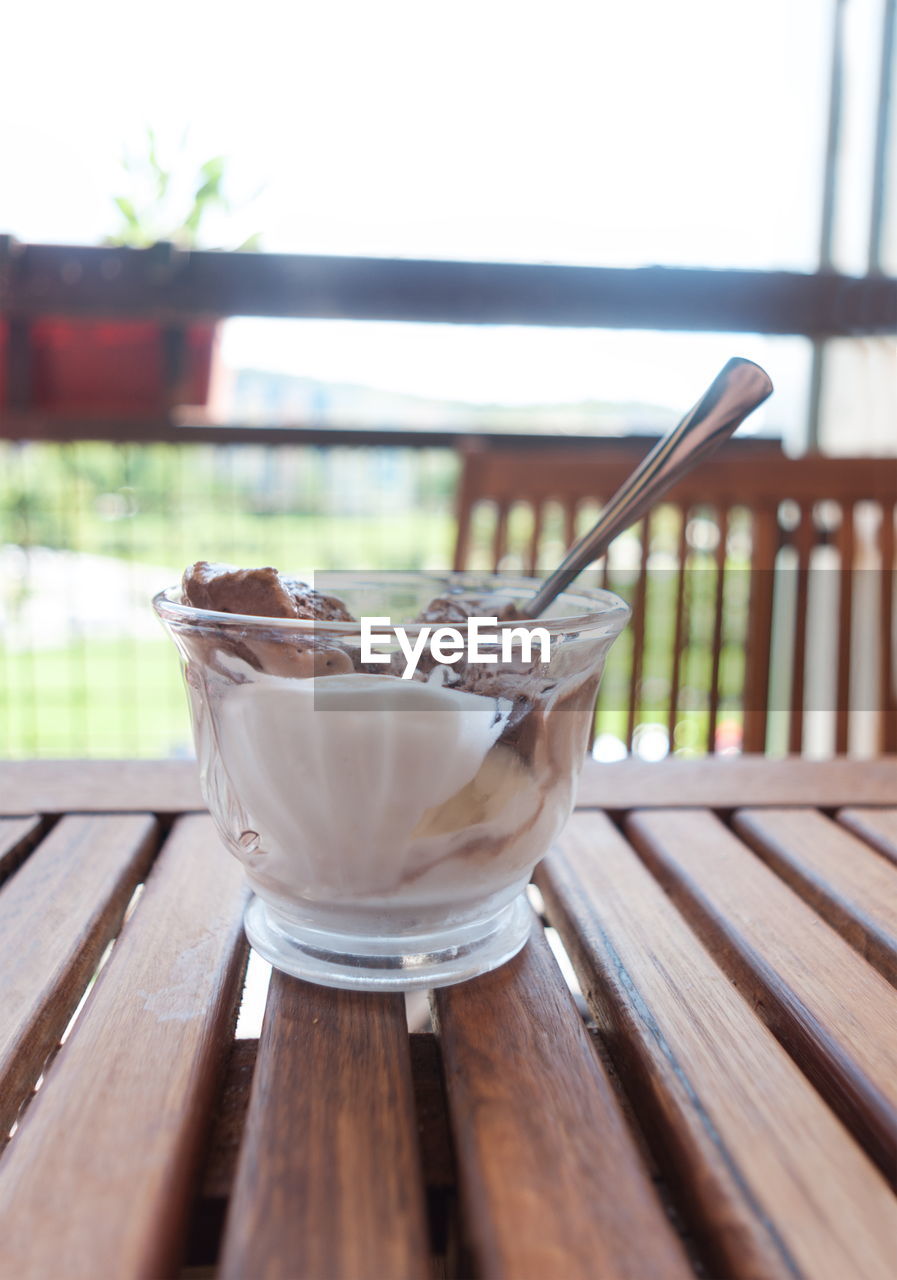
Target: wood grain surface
726, 783
99, 786
771, 1182
16, 837
329, 1181
833, 1012
851, 885
57, 913
743, 1071
551, 1179
99, 1177
172, 786
877, 827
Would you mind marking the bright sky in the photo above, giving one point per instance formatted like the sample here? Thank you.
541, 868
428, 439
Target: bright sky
585, 132
580, 132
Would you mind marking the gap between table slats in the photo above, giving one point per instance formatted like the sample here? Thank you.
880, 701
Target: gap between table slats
769, 1179
17, 838
833, 1012
329, 1180
119, 1125
550, 1177
58, 912
877, 827
851, 885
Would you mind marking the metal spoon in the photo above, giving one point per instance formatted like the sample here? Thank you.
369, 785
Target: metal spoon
734, 393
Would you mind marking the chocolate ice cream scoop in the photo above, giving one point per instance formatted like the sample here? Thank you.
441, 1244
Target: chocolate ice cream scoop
314, 604
455, 610
263, 593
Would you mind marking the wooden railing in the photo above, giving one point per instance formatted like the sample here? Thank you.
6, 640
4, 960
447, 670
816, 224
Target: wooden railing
167, 285
174, 289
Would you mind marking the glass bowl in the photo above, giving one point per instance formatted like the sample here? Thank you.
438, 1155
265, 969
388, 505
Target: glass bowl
389, 826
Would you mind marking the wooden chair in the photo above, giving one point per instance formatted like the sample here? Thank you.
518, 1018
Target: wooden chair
740, 653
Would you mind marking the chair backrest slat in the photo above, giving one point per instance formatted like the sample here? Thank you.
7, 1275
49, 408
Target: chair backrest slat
845, 621
570, 521
803, 545
887, 675
679, 624
637, 626
532, 559
500, 537
764, 546
717, 644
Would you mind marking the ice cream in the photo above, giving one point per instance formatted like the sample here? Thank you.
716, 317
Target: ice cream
337, 784
263, 593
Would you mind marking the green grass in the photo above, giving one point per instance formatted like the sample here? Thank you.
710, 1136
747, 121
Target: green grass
301, 543
408, 540
300, 508
124, 697
162, 507
113, 698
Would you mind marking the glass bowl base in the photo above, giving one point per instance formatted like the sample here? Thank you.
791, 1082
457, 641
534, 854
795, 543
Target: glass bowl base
383, 963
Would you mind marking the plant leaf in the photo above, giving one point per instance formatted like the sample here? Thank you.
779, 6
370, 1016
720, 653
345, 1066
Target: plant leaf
127, 210
213, 170
151, 151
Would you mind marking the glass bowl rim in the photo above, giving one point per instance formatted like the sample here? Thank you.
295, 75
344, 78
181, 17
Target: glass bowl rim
609, 611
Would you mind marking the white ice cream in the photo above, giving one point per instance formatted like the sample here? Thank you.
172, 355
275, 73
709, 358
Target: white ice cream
343, 776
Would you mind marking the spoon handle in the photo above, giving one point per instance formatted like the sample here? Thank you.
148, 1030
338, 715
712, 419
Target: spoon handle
734, 393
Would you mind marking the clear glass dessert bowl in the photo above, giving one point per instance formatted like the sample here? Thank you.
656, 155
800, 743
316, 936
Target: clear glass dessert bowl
389, 826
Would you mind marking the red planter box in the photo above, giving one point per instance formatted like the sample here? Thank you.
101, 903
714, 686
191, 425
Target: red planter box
111, 366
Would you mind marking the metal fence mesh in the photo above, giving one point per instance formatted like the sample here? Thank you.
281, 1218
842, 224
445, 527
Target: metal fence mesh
90, 531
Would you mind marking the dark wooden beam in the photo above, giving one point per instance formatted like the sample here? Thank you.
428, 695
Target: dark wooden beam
35, 425
167, 285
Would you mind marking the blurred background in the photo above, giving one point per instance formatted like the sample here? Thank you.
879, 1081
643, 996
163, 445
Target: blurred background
176, 383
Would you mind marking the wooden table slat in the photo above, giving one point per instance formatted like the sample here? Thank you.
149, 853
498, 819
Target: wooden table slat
877, 827
100, 1173
768, 1178
330, 1151
851, 886
833, 1012
172, 786
58, 911
551, 1180
732, 783
16, 836
99, 786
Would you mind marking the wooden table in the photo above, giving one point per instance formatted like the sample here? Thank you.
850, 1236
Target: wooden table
730, 1103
